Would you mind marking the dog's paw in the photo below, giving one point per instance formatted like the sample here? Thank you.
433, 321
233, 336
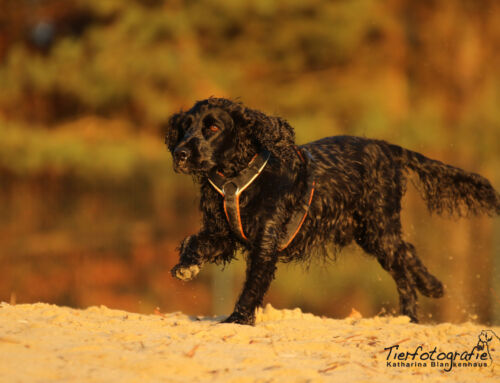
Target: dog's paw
239, 318
185, 273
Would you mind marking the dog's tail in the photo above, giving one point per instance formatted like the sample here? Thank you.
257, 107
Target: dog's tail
448, 189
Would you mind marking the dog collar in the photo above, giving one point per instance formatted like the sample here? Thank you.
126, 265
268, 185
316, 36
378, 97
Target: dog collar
231, 189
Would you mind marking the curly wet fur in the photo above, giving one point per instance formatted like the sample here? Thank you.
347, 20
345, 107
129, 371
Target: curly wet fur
359, 186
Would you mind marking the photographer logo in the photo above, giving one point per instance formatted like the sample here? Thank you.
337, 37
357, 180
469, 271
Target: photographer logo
478, 356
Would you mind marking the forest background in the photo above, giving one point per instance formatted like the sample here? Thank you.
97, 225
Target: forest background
91, 211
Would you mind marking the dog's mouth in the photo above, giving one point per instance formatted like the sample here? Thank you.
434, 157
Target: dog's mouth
184, 167
181, 168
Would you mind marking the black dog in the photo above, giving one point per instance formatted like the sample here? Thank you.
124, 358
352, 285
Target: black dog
278, 202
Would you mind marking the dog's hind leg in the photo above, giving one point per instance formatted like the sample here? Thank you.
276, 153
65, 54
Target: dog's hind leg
400, 259
427, 283
392, 260
390, 252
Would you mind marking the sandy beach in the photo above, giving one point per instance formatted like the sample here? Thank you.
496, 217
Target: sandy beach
47, 343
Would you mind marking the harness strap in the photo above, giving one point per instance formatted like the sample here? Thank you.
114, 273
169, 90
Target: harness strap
293, 226
232, 188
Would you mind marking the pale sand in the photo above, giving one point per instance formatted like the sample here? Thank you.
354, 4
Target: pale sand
47, 343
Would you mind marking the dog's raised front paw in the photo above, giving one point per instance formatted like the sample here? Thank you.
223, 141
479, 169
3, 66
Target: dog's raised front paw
185, 273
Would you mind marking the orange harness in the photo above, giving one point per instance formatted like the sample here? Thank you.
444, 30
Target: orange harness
231, 189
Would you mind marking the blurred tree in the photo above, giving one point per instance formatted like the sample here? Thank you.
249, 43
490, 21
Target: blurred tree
86, 85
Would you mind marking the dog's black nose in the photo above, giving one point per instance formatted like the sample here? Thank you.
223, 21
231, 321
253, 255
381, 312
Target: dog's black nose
181, 154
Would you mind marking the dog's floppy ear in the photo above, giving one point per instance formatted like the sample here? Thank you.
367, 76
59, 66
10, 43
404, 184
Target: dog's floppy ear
173, 130
271, 133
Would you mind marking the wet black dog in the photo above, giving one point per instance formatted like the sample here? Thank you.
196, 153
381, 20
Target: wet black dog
299, 199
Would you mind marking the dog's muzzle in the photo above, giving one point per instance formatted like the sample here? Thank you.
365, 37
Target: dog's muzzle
181, 156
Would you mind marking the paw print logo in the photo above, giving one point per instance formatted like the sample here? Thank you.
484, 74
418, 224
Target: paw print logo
485, 342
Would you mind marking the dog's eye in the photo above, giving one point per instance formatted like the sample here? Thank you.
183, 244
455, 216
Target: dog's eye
210, 130
210, 126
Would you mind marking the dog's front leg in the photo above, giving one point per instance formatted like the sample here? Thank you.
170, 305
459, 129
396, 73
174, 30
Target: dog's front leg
261, 267
198, 249
259, 274
190, 261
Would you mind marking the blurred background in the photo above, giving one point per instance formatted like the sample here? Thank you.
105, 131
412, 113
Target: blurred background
91, 211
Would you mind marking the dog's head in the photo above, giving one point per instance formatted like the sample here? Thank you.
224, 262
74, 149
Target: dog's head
219, 134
